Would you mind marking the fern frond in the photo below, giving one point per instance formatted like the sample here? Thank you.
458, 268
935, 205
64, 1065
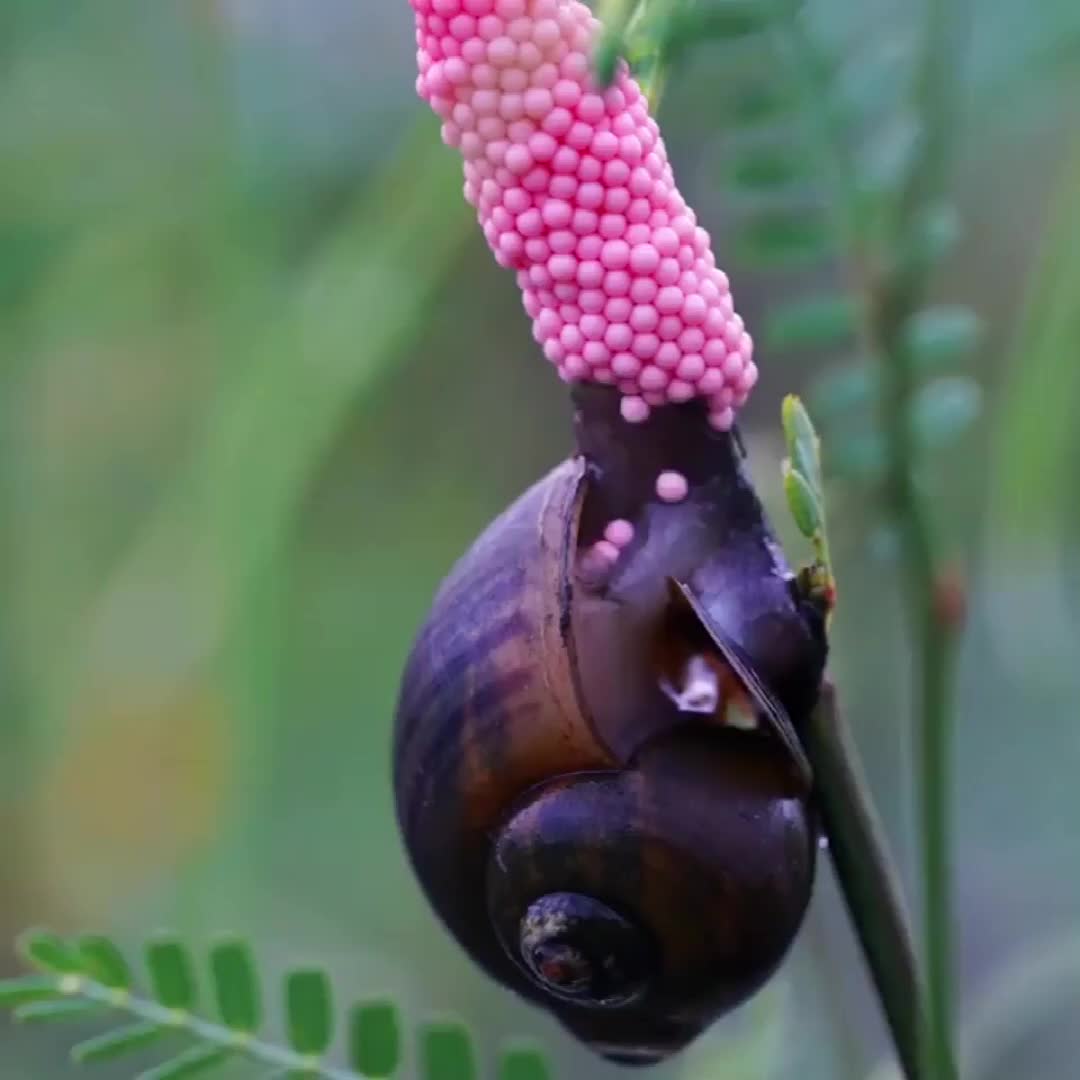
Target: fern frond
89, 977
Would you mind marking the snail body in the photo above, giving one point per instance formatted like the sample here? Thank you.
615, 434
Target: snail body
635, 865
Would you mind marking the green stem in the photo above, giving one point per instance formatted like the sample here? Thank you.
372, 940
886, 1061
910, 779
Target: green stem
867, 878
935, 645
902, 294
893, 287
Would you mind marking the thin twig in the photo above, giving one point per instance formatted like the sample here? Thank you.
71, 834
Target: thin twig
867, 877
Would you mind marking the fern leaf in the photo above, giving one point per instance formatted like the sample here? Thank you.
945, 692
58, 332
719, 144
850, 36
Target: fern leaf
29, 988
785, 238
523, 1063
842, 390
446, 1052
198, 1059
47, 952
171, 973
374, 1038
308, 1010
114, 1044
236, 987
941, 335
103, 962
812, 322
44, 1012
90, 977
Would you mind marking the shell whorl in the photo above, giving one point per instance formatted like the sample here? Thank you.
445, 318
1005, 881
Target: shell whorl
488, 704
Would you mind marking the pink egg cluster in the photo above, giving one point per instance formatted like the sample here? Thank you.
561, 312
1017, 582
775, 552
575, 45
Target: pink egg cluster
604, 554
574, 192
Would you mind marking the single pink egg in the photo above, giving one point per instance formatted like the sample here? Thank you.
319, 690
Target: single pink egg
672, 487
680, 391
596, 353
619, 532
634, 410
606, 550
625, 365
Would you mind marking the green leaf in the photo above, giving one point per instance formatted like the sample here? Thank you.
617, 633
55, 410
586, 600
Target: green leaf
196, 1060
859, 455
886, 158
767, 169
446, 1052
754, 106
236, 987
728, 19
113, 1044
803, 503
41, 1012
26, 989
309, 1010
374, 1038
872, 80
523, 1063
842, 390
104, 963
944, 409
47, 951
782, 238
802, 443
941, 335
615, 15
814, 322
171, 973
931, 235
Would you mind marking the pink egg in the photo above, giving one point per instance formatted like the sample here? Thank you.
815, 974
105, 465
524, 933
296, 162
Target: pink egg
644, 259
645, 346
672, 487
606, 550
634, 410
653, 378
619, 532
596, 353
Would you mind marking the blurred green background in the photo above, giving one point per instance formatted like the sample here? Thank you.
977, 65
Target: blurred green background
261, 384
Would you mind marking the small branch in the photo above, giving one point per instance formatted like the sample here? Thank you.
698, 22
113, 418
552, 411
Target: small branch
867, 877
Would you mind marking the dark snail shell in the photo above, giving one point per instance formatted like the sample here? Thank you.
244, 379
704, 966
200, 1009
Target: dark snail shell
635, 869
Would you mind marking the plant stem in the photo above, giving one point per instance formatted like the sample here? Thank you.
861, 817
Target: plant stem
892, 279
867, 877
901, 294
934, 648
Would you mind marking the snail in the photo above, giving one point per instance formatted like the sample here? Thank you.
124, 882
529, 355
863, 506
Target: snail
597, 765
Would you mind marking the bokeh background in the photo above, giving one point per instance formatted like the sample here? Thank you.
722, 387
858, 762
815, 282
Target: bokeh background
260, 385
